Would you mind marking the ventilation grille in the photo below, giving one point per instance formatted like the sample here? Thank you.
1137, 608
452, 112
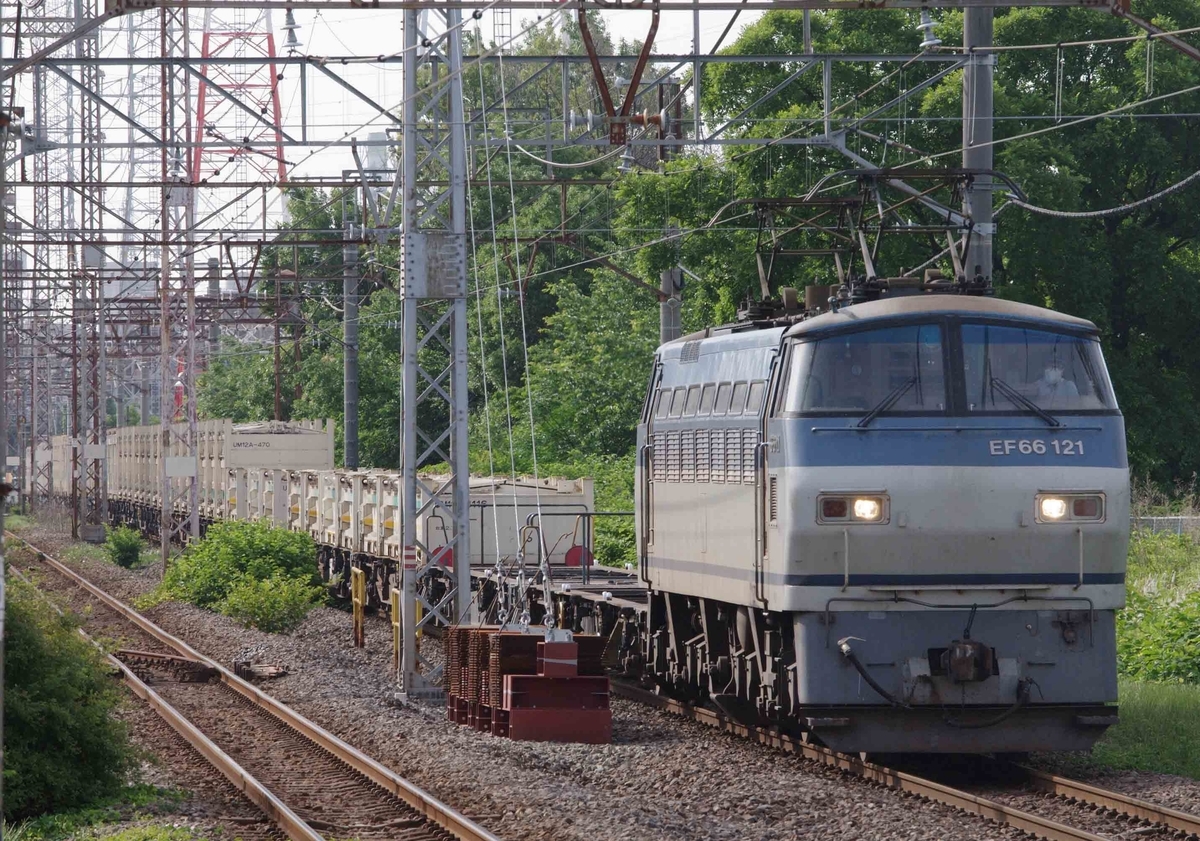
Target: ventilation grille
689, 456
725, 456
658, 457
773, 504
690, 352
703, 457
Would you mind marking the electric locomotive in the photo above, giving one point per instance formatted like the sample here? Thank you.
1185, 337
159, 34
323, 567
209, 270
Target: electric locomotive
897, 526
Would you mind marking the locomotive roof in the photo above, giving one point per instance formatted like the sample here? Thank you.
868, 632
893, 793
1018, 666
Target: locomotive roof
920, 305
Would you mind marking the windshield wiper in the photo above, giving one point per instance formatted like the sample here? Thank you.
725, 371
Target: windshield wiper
887, 402
1020, 399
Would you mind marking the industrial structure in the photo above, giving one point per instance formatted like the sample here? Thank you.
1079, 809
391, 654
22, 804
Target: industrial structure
146, 144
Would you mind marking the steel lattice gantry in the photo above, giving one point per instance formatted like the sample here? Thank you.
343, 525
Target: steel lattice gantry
177, 360
433, 421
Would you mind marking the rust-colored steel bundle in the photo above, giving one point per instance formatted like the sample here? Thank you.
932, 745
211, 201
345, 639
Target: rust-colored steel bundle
516, 684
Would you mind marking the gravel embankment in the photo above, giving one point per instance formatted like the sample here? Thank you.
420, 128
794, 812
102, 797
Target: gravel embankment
662, 778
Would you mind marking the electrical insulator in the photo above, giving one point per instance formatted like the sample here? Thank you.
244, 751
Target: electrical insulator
626, 160
291, 43
929, 41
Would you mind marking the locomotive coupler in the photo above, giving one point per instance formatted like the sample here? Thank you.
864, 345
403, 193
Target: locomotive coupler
967, 661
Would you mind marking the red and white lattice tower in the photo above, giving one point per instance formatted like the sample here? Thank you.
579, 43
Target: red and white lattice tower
238, 118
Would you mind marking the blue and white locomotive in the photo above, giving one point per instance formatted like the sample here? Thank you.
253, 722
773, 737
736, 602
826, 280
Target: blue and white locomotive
897, 526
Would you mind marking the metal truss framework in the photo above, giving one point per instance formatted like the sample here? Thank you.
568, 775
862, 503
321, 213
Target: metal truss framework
433, 292
180, 523
136, 102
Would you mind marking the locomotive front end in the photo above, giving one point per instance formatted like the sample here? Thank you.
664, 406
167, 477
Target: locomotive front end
949, 490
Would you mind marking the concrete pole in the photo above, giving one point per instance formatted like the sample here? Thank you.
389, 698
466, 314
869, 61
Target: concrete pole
144, 389
670, 305
214, 293
977, 136
118, 382
350, 352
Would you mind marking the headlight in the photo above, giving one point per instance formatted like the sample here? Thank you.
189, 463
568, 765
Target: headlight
1053, 507
852, 508
1069, 507
867, 509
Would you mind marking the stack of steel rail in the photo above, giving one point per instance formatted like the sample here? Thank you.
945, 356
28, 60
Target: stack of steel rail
528, 685
305, 779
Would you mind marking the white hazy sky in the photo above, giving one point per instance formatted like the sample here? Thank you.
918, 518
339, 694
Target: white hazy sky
376, 33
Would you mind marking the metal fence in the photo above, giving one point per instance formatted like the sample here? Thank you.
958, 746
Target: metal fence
1167, 525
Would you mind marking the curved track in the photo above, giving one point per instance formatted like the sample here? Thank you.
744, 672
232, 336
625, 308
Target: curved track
1152, 818
305, 779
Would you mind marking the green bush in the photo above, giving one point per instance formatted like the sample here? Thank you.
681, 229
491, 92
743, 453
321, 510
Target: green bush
63, 746
1158, 640
277, 604
208, 570
263, 577
123, 546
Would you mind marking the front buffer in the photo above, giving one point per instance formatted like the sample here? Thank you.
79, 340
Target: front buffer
956, 681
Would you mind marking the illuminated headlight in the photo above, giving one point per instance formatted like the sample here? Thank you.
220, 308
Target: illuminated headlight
1069, 507
867, 508
1053, 508
852, 508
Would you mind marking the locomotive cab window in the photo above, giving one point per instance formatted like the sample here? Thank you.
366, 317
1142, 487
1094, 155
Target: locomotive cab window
885, 371
738, 403
677, 402
662, 403
755, 397
724, 390
1007, 369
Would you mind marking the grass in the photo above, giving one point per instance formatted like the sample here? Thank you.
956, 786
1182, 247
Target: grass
136, 802
78, 553
17, 523
1163, 565
1159, 730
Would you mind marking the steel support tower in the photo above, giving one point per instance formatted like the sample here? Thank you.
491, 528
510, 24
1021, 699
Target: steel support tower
91, 508
180, 515
433, 421
237, 106
51, 123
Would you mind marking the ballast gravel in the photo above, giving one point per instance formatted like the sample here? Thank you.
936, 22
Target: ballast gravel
662, 778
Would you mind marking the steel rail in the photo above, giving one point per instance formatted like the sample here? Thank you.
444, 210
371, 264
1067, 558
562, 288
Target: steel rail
430, 807
1129, 806
928, 789
275, 810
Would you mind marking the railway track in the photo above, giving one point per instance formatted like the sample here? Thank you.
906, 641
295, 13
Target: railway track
308, 782
342, 793
1151, 819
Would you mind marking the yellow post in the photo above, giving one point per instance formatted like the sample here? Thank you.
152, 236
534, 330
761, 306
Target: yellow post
358, 597
397, 643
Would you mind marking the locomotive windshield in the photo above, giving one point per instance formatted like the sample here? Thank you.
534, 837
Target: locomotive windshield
857, 372
1054, 371
903, 369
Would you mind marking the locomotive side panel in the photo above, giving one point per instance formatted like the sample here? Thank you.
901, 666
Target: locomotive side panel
699, 484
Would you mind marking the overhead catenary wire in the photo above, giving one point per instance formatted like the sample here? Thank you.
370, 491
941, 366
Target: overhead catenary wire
512, 193
1109, 212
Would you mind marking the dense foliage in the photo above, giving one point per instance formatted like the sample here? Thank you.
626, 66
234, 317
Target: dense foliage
123, 546
1158, 632
562, 342
1160, 641
63, 747
264, 577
